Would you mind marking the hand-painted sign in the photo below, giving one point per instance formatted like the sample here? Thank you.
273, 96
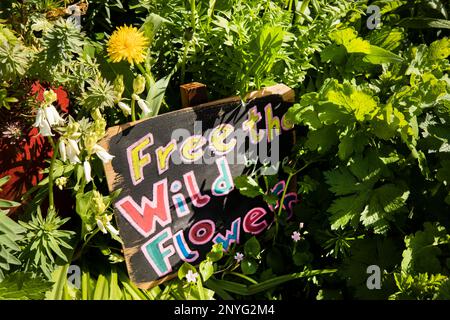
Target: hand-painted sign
176, 173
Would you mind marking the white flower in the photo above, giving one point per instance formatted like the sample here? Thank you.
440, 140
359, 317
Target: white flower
239, 257
143, 105
53, 117
296, 236
101, 226
40, 116
42, 123
102, 153
104, 224
125, 108
111, 229
301, 225
47, 117
87, 171
68, 148
62, 150
73, 151
191, 276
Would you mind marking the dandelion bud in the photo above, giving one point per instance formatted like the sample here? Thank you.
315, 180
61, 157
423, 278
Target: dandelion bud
72, 129
61, 182
119, 88
50, 96
139, 84
98, 203
89, 141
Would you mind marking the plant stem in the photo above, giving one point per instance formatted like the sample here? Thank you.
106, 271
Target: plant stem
148, 78
133, 110
280, 206
51, 199
193, 11
183, 62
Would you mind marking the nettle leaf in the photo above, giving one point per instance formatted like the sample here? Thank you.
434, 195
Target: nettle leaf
422, 249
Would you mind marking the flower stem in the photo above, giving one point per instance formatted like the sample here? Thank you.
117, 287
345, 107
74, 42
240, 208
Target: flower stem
148, 78
133, 110
51, 199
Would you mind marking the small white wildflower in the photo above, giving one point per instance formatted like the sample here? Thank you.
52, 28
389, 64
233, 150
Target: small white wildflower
239, 257
191, 276
296, 236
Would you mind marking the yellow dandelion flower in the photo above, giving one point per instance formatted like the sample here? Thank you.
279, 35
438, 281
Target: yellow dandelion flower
127, 43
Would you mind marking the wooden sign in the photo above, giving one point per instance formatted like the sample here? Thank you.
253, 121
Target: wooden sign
176, 173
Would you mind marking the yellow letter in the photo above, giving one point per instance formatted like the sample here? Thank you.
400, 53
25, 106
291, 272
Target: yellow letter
163, 155
189, 149
136, 160
218, 136
272, 124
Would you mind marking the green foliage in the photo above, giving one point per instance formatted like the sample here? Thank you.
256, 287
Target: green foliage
44, 242
418, 287
423, 249
23, 286
371, 159
98, 95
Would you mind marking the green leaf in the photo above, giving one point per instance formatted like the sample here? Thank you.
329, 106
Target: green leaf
252, 248
382, 252
206, 269
151, 25
384, 201
101, 291
156, 93
249, 266
59, 277
248, 186
347, 210
322, 140
422, 249
424, 23
377, 55
23, 286
184, 269
216, 253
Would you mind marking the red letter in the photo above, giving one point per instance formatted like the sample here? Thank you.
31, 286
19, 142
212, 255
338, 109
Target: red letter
143, 217
197, 198
251, 224
202, 232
